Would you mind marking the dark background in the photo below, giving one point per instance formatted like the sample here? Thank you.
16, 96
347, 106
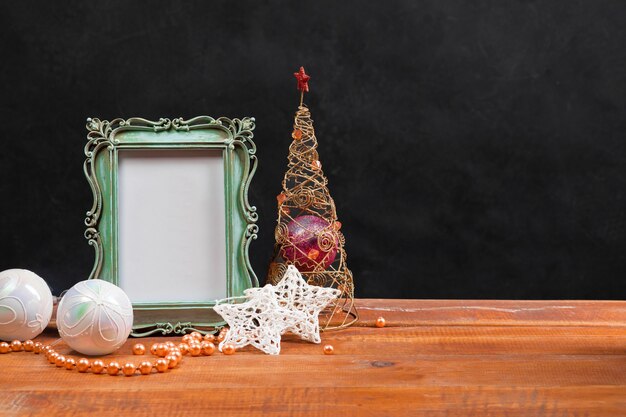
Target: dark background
474, 149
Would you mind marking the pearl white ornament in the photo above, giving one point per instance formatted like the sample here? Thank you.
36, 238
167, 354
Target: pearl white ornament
25, 304
95, 317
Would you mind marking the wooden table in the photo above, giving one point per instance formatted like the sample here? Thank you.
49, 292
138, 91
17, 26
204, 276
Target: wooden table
434, 358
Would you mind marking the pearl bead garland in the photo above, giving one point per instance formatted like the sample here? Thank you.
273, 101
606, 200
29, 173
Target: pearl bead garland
170, 355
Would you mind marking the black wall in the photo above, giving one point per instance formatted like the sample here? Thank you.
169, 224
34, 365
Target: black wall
474, 149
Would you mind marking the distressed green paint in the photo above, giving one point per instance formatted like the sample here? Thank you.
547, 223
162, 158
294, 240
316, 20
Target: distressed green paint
234, 138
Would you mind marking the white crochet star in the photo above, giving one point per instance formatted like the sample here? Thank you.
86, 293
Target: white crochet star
257, 322
290, 306
293, 293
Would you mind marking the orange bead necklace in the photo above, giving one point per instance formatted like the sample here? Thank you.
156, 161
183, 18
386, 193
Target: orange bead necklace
170, 354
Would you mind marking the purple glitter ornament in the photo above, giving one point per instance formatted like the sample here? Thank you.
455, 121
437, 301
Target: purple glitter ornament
313, 243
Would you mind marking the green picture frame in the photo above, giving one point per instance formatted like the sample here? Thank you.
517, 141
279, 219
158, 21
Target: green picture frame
233, 137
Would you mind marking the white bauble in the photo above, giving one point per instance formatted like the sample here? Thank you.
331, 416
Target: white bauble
95, 317
25, 304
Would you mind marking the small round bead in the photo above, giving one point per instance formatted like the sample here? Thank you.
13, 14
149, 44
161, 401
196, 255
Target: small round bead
4, 347
16, 346
113, 368
46, 348
139, 349
172, 361
209, 338
52, 357
162, 350
69, 364
187, 339
97, 366
208, 348
60, 361
228, 349
161, 365
197, 336
329, 349
82, 365
171, 345
380, 322
195, 349
145, 368
129, 369
29, 345
153, 348
220, 337
37, 348
184, 348
296, 134
177, 354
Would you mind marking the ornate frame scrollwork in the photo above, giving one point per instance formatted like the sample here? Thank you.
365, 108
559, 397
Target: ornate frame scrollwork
234, 138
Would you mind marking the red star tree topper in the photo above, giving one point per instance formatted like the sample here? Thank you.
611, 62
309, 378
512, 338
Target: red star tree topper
303, 80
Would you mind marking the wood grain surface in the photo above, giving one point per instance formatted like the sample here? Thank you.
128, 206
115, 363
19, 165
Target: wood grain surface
434, 358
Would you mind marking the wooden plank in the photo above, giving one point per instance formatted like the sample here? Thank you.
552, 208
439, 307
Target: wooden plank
492, 312
435, 358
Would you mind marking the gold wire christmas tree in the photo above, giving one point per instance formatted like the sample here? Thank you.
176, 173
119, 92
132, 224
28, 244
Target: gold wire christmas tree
308, 233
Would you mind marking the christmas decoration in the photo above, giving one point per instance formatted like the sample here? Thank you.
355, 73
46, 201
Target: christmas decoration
291, 306
95, 317
258, 322
170, 355
308, 232
25, 304
296, 295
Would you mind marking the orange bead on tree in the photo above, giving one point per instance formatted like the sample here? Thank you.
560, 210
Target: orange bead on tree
313, 254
